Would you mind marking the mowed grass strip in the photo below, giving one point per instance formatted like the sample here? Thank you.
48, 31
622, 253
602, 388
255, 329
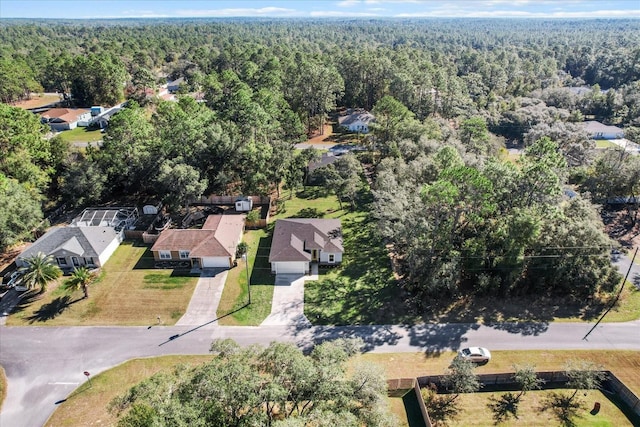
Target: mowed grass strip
87, 405
233, 309
128, 292
81, 134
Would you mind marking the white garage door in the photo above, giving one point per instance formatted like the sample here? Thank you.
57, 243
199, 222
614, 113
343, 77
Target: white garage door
291, 267
215, 262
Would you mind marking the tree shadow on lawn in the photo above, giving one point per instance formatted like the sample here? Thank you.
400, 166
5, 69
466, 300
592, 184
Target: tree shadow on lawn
526, 310
52, 309
364, 291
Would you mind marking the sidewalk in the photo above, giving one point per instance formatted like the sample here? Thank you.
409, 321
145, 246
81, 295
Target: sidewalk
205, 299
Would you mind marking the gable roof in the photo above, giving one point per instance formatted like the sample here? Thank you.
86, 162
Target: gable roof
293, 238
80, 241
594, 127
356, 116
218, 237
66, 115
325, 160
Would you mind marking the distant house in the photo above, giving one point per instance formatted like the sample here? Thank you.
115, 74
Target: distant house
73, 247
174, 86
60, 119
314, 165
597, 130
357, 120
212, 246
298, 242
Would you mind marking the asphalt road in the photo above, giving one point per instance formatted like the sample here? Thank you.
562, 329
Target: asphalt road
45, 364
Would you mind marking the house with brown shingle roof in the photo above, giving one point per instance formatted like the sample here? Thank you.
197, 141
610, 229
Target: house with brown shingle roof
66, 118
212, 246
298, 242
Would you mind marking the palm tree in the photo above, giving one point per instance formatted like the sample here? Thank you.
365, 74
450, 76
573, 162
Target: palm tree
39, 271
80, 278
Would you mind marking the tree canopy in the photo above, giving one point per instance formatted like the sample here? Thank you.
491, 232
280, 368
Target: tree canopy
275, 386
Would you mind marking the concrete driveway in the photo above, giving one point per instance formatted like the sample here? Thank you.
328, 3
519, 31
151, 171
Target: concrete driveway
205, 299
287, 307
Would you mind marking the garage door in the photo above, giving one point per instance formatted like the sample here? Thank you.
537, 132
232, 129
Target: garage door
291, 267
215, 262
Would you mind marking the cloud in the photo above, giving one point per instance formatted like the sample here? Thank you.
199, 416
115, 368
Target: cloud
348, 3
264, 11
339, 14
467, 13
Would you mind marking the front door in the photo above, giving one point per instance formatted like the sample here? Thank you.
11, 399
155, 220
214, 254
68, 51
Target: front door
314, 255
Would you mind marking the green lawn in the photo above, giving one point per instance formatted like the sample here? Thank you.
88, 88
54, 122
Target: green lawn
603, 143
129, 291
81, 134
362, 290
476, 413
233, 308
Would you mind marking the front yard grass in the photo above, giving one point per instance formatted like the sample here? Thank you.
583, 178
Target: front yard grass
233, 309
129, 291
87, 404
81, 134
604, 143
475, 412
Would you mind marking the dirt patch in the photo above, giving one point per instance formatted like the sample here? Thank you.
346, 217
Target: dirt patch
317, 138
8, 256
620, 227
38, 100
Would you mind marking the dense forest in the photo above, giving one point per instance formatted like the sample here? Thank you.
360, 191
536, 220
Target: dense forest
447, 95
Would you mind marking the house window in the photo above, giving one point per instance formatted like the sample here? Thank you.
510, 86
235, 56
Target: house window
88, 261
61, 260
164, 254
184, 254
332, 258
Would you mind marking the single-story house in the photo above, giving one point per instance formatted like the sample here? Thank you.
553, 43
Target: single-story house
356, 120
73, 247
298, 242
174, 86
597, 130
314, 165
60, 119
212, 246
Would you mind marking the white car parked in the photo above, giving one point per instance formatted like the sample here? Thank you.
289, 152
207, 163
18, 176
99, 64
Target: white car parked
475, 354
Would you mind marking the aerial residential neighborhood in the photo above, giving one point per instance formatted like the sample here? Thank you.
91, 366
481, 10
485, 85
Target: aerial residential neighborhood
340, 213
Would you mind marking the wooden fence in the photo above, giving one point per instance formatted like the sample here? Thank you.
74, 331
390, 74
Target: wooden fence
505, 381
229, 200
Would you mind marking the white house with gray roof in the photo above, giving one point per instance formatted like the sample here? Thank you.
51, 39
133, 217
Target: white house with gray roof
73, 247
357, 120
597, 130
297, 242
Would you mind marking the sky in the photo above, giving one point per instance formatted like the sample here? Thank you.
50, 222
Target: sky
85, 9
